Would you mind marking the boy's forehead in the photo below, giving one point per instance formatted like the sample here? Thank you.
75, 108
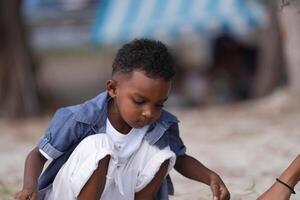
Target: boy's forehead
141, 83
137, 75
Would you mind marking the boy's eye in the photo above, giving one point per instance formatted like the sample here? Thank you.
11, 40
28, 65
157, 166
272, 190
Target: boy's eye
138, 102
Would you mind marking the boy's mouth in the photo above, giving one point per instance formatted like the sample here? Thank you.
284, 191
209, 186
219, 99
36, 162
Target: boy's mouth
141, 124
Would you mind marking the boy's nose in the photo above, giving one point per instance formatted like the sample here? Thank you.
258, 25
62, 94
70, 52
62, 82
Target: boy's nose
147, 114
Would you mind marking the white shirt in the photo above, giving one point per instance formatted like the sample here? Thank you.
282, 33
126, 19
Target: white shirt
125, 144
122, 181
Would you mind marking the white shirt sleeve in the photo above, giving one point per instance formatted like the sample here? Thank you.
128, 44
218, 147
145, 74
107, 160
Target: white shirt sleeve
45, 155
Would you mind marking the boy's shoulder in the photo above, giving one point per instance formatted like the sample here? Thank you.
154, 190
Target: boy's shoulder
91, 110
168, 117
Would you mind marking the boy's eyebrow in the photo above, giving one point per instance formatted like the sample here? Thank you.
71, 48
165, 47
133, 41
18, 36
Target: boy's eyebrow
141, 96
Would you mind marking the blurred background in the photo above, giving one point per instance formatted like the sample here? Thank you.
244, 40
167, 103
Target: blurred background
236, 92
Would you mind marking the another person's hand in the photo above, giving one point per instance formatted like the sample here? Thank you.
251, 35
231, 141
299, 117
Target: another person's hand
218, 188
276, 192
26, 194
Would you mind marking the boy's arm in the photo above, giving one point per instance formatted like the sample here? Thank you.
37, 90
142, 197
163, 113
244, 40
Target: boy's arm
58, 138
94, 187
193, 169
149, 192
33, 167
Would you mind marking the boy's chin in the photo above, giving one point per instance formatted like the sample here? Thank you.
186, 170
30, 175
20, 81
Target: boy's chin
138, 124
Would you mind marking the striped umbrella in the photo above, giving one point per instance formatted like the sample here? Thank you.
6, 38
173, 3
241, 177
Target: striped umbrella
118, 21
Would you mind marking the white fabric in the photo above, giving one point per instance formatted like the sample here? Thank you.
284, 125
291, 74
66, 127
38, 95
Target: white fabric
45, 155
125, 144
124, 177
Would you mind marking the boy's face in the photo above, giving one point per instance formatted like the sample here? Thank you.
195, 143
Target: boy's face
137, 99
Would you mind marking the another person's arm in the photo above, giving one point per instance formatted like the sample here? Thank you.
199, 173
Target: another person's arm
33, 167
279, 191
193, 169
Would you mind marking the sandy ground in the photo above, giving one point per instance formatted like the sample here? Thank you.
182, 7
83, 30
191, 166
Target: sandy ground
248, 144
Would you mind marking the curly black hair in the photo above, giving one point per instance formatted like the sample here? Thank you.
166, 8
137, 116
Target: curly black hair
149, 56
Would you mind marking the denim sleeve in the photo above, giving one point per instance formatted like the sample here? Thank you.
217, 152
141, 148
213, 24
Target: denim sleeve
60, 135
175, 141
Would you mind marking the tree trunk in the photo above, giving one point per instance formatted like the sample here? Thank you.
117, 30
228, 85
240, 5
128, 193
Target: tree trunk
271, 70
18, 89
289, 16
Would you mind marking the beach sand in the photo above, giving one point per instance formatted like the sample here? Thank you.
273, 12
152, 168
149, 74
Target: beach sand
247, 144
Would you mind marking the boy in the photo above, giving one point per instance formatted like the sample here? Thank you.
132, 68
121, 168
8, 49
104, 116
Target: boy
140, 84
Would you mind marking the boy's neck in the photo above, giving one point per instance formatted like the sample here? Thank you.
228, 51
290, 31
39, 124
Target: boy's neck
116, 120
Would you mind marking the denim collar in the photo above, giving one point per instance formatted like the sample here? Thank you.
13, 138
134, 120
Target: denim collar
94, 113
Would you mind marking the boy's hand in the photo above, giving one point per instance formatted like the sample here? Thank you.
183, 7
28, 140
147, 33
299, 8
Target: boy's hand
193, 169
26, 194
218, 188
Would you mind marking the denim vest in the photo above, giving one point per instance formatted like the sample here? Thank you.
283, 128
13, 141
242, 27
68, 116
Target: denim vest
70, 125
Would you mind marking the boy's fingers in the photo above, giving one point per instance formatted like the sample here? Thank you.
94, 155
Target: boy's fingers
23, 195
20, 196
33, 196
225, 195
216, 191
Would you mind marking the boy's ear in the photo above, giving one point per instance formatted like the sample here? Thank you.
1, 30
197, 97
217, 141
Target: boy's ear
111, 87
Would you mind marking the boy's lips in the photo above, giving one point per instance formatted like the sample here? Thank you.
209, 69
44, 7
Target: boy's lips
142, 123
